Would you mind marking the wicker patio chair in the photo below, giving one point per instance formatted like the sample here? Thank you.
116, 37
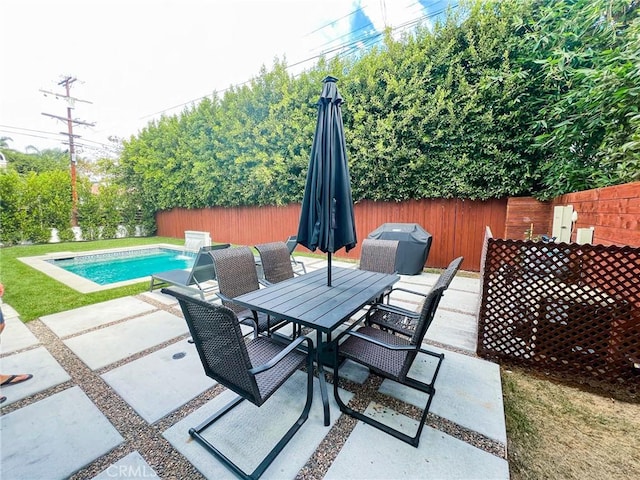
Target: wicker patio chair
254, 370
275, 261
390, 356
400, 320
291, 243
379, 256
194, 280
276, 266
236, 274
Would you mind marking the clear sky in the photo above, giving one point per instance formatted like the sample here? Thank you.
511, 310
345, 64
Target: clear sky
137, 59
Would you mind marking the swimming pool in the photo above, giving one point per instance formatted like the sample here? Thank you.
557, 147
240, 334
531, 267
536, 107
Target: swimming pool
113, 267
137, 263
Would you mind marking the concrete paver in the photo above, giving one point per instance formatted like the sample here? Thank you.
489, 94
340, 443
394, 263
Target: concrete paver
102, 347
370, 454
46, 371
453, 328
131, 466
468, 392
16, 335
54, 437
157, 384
91, 316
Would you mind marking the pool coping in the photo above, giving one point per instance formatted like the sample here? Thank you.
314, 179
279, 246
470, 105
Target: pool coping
81, 284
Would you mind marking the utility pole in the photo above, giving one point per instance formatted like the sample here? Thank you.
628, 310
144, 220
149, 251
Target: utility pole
67, 82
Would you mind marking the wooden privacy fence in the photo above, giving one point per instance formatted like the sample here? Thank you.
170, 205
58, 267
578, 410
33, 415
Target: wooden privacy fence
567, 309
457, 225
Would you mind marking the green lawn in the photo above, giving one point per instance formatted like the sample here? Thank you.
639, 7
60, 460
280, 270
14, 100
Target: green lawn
34, 294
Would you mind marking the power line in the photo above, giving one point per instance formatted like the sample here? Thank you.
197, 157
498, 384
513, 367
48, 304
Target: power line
333, 22
84, 143
26, 134
348, 48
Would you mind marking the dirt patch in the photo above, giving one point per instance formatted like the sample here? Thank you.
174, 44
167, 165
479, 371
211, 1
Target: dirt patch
559, 431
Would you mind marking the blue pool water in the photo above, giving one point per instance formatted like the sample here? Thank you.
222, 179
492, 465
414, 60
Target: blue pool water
107, 268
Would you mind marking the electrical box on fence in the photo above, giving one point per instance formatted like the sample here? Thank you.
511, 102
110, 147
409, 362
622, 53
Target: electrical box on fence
562, 218
584, 235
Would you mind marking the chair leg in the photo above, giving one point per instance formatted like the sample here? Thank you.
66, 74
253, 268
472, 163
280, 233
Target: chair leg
410, 382
271, 456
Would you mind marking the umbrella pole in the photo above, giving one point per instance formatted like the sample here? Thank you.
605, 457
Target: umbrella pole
329, 271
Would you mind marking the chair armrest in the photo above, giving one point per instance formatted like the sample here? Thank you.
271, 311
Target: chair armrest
379, 343
223, 297
393, 309
353, 325
400, 289
275, 360
253, 318
264, 282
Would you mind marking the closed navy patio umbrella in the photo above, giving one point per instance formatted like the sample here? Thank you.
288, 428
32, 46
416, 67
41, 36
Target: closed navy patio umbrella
326, 220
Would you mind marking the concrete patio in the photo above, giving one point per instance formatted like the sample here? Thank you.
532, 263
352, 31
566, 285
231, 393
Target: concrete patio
117, 386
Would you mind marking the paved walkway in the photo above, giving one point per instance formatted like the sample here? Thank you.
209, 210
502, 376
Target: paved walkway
116, 387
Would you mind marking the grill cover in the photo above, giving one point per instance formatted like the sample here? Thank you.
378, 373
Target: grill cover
413, 247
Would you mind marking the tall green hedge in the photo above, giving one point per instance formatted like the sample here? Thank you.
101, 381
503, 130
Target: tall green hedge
34, 202
504, 98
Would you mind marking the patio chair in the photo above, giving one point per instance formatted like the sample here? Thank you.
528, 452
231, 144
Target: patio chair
193, 280
391, 356
400, 320
254, 370
291, 243
274, 258
276, 266
236, 275
379, 256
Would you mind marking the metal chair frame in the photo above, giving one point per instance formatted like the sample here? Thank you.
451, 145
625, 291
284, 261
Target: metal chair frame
291, 243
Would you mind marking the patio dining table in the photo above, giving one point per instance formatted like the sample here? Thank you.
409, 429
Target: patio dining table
307, 300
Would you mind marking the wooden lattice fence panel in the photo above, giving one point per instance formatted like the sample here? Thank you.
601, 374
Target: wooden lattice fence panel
569, 309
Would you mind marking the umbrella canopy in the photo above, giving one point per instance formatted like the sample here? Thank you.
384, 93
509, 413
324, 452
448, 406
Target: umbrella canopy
326, 220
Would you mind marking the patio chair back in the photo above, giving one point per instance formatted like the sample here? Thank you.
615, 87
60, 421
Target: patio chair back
379, 255
236, 273
276, 262
427, 313
216, 333
429, 307
296, 265
449, 273
203, 269
291, 243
